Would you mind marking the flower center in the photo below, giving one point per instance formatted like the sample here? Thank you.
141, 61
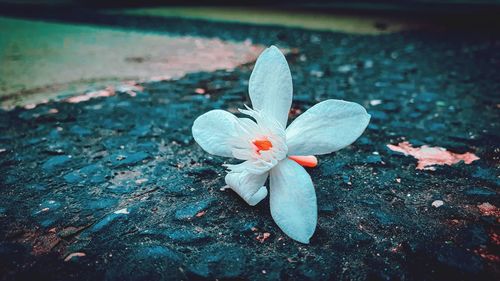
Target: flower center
262, 145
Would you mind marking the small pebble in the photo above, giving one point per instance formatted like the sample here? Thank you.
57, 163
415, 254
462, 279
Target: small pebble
437, 203
199, 91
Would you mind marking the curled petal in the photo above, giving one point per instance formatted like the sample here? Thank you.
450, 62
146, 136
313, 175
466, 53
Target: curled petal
270, 85
218, 132
326, 127
293, 200
253, 166
249, 186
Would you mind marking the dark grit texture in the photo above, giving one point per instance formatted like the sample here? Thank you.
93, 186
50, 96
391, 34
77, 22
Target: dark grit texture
115, 188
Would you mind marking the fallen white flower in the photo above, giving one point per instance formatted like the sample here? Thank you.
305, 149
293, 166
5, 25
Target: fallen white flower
269, 150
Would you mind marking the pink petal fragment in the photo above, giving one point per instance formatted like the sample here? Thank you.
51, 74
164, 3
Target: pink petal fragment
262, 237
429, 156
72, 255
92, 95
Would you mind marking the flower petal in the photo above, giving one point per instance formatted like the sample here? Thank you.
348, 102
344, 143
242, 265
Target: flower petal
249, 186
309, 161
215, 131
293, 200
326, 127
270, 85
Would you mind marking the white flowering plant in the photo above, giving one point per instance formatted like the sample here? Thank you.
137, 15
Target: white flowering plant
270, 149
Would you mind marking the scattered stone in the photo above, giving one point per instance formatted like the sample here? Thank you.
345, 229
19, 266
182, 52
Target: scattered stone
108, 219
346, 179
344, 68
73, 177
93, 173
437, 203
124, 211
55, 162
368, 64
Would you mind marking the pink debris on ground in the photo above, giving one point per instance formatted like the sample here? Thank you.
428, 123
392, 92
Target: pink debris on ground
429, 156
488, 209
109, 91
262, 237
199, 91
130, 87
72, 255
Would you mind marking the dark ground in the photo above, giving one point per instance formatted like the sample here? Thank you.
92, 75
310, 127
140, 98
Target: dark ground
64, 175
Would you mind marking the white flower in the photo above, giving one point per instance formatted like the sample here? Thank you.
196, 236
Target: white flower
267, 148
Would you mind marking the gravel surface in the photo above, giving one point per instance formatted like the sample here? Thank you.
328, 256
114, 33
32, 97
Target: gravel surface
115, 188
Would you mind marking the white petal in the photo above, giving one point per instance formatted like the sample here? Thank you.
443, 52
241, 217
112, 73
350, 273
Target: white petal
215, 131
249, 186
270, 85
326, 127
293, 200
253, 166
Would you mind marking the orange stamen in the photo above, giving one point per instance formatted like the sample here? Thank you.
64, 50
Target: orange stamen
262, 145
307, 161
